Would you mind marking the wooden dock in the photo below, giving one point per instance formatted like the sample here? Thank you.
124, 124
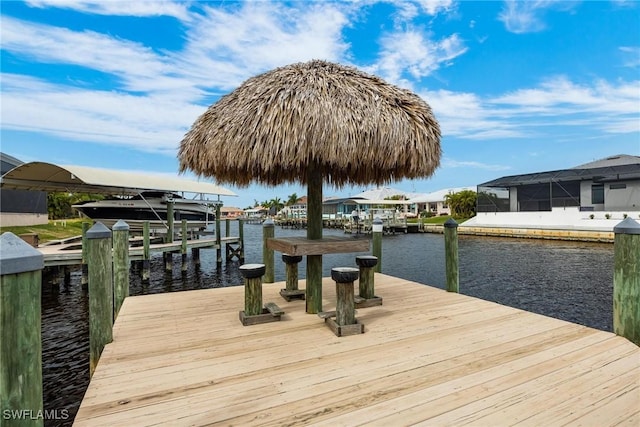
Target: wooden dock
71, 253
427, 357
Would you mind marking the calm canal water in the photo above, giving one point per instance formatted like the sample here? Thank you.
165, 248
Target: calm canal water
567, 280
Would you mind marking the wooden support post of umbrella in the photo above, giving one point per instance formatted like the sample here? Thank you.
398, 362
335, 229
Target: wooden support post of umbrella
313, 123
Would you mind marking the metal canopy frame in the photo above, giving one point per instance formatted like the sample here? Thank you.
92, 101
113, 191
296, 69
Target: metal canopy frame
42, 176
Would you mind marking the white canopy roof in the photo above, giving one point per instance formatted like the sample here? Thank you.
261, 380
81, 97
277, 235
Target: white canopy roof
381, 193
438, 196
41, 176
380, 202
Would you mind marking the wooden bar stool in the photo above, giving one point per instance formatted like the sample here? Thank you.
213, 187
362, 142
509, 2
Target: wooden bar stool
345, 322
291, 291
366, 297
254, 312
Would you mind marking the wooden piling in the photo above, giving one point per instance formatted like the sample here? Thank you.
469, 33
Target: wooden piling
228, 248
218, 237
84, 281
291, 266
345, 305
252, 274
268, 231
146, 252
314, 232
20, 325
168, 261
367, 264
291, 290
241, 237
345, 314
451, 254
57, 275
120, 265
170, 225
183, 246
100, 266
376, 229
626, 280
195, 254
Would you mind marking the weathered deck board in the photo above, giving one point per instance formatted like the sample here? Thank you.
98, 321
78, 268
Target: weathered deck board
426, 357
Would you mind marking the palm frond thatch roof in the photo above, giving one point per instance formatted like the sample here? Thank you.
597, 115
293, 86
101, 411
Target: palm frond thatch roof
354, 127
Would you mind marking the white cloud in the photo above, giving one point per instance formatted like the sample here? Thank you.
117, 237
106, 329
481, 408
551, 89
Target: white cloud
411, 53
408, 10
631, 56
466, 115
451, 163
600, 105
119, 7
149, 71
533, 112
527, 16
233, 45
149, 123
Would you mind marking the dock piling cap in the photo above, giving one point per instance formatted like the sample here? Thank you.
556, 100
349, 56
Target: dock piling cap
268, 223
121, 226
451, 223
17, 256
98, 231
627, 226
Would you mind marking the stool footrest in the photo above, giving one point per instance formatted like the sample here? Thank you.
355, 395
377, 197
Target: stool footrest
367, 302
344, 330
327, 314
273, 309
265, 317
292, 294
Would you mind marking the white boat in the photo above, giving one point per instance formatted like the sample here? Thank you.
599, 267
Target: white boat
149, 206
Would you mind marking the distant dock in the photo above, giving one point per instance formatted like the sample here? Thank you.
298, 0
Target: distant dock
71, 254
427, 356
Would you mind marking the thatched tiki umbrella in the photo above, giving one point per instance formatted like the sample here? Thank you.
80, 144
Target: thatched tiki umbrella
311, 123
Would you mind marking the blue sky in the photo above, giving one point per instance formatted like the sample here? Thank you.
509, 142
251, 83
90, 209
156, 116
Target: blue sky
517, 87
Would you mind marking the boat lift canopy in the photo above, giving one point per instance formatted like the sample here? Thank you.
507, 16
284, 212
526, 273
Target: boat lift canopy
41, 176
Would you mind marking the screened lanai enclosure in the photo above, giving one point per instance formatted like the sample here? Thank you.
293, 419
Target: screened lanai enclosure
611, 183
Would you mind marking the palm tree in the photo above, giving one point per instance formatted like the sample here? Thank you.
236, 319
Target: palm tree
462, 203
275, 204
292, 200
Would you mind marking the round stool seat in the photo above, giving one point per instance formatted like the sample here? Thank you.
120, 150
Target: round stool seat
366, 261
344, 274
291, 259
251, 271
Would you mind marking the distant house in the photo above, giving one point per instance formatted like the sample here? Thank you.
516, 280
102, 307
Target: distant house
435, 203
257, 212
336, 207
230, 212
609, 184
297, 210
20, 207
